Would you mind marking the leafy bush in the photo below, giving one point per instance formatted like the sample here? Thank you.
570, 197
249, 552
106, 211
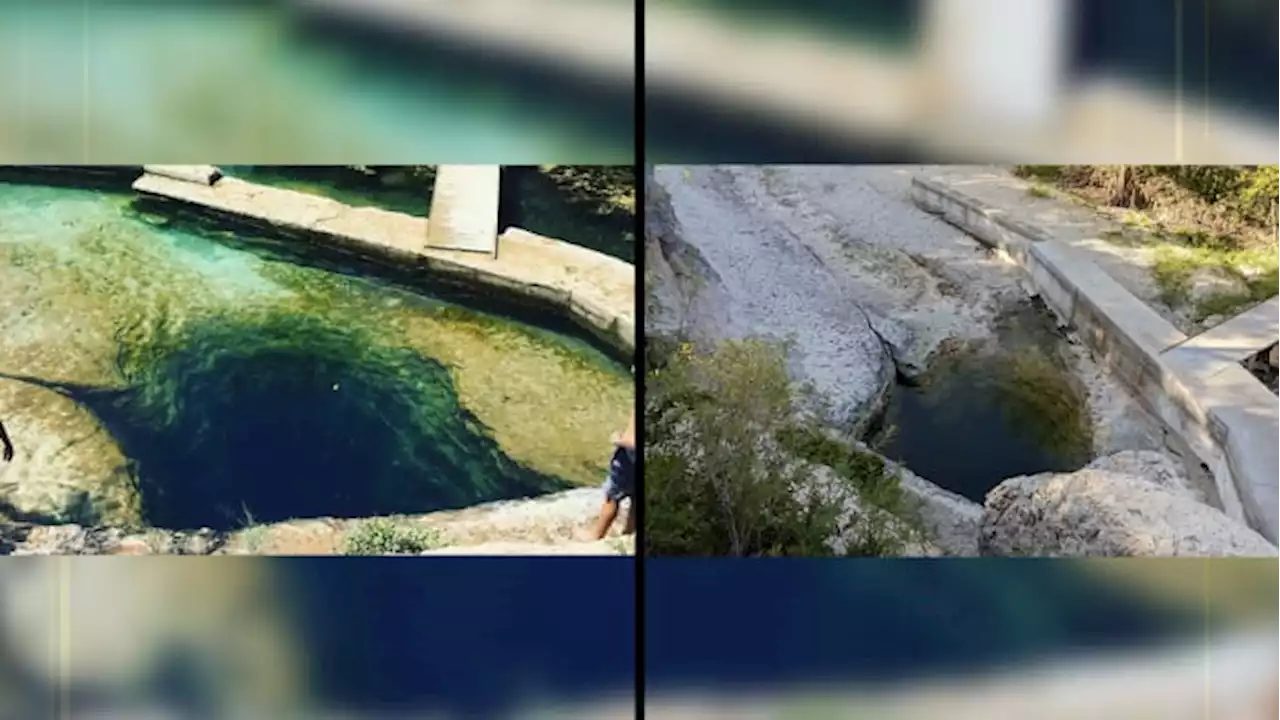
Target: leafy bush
1247, 194
381, 536
722, 440
613, 187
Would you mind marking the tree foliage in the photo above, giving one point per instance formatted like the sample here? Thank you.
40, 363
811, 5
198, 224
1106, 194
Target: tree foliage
612, 187
727, 460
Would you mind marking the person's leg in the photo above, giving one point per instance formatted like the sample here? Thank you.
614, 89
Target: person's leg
6, 446
608, 513
609, 510
630, 527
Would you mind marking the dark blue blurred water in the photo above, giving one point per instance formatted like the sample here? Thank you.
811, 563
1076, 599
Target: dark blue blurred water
776, 622
1227, 49
468, 635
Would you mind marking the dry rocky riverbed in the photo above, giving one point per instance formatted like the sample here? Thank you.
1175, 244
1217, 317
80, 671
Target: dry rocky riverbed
870, 290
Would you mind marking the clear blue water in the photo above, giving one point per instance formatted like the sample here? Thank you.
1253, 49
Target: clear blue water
247, 389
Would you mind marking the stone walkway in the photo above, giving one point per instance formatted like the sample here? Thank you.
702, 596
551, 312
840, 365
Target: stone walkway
464, 209
1077, 226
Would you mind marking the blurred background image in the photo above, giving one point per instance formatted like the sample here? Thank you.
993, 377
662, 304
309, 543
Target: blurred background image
1046, 81
990, 639
317, 81
316, 638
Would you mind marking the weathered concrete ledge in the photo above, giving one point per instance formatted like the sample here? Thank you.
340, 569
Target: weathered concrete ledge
203, 174
593, 289
464, 209
1224, 415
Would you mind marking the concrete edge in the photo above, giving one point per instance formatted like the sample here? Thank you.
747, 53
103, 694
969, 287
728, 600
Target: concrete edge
1239, 338
468, 268
1221, 416
202, 174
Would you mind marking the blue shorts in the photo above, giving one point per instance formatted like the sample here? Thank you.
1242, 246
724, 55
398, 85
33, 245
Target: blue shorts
621, 481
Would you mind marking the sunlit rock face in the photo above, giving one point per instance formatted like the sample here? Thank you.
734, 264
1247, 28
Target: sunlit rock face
557, 523
1127, 504
753, 277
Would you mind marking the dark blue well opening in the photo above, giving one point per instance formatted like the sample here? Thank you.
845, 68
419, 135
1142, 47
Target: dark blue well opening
232, 423
981, 414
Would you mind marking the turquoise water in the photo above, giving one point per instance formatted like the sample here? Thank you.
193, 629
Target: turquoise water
109, 82
246, 389
405, 193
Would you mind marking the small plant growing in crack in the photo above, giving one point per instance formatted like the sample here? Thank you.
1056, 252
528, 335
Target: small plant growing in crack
382, 536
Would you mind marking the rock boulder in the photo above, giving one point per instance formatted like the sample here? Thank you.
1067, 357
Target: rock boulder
1133, 503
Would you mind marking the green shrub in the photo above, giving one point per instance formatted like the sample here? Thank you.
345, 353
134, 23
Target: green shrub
1044, 173
721, 478
381, 536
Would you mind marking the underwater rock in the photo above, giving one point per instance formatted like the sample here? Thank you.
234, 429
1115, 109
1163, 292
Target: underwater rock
1133, 503
66, 467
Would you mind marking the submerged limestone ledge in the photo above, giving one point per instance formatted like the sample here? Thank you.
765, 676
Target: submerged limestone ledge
121, 329
555, 524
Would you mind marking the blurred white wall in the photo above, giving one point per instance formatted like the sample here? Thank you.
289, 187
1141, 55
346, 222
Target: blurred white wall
997, 61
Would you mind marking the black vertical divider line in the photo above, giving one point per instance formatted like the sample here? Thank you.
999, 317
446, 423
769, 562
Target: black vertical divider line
641, 165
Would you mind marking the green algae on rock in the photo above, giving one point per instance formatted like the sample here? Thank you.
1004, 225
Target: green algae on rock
175, 340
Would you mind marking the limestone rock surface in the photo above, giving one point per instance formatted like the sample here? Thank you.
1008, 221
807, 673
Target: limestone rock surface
66, 466
1133, 503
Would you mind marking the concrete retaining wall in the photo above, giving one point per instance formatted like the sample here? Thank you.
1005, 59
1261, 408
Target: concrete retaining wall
1222, 413
203, 174
595, 290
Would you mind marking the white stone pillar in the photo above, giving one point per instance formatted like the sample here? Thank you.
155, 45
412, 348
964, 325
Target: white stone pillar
996, 61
